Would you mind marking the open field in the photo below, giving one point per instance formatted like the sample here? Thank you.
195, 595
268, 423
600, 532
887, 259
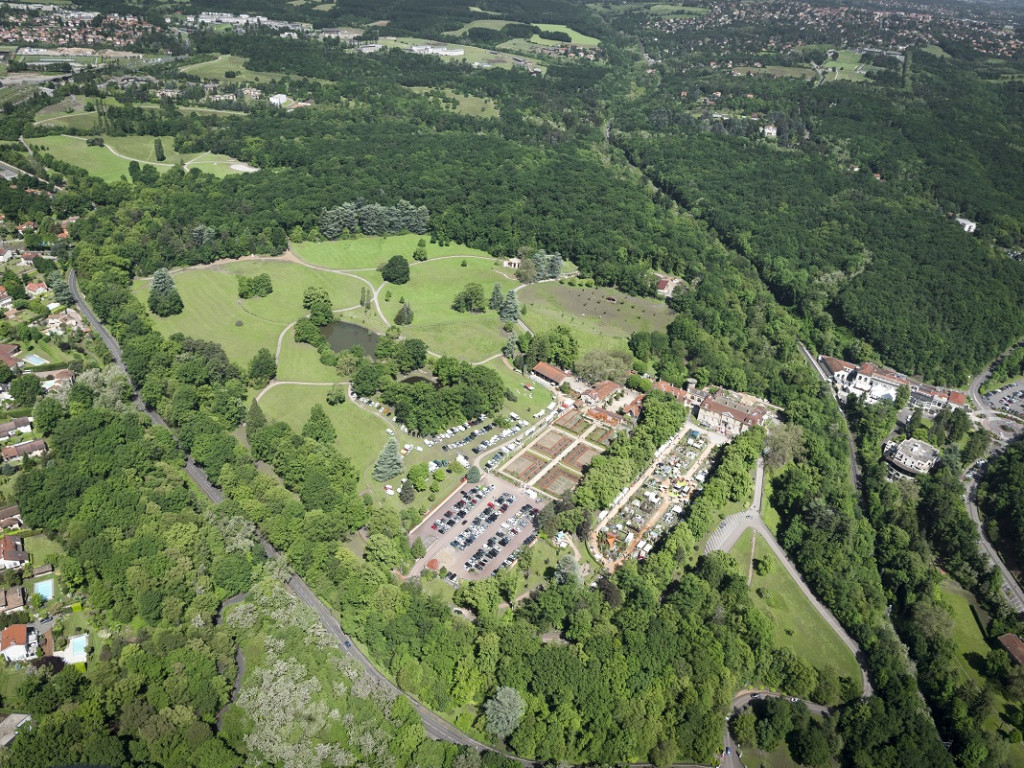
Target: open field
371, 252
42, 549
214, 312
215, 69
848, 67
597, 322
483, 23
474, 106
803, 73
797, 625
110, 162
431, 290
83, 121
576, 37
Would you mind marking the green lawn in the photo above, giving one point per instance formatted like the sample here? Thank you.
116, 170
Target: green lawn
576, 37
371, 252
545, 557
797, 625
972, 650
528, 403
431, 290
846, 66
102, 162
481, 23
597, 322
301, 362
42, 550
214, 312
83, 121
215, 70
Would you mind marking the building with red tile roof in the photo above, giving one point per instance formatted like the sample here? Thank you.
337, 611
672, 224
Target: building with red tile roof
550, 373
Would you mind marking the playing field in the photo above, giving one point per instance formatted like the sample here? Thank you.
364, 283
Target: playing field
214, 312
110, 162
601, 318
798, 625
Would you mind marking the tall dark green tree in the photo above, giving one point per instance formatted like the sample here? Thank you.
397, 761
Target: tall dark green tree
262, 368
389, 462
396, 270
164, 299
318, 427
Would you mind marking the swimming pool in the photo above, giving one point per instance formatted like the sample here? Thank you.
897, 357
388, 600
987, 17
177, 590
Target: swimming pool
35, 360
44, 589
77, 645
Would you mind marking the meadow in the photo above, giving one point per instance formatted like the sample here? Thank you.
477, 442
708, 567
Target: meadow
217, 68
110, 162
577, 38
797, 625
601, 318
371, 252
474, 106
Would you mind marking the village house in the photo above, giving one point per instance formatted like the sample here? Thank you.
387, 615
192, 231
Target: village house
9, 727
514, 263
19, 425
545, 372
5, 298
633, 407
605, 417
600, 392
18, 451
56, 379
12, 599
10, 518
729, 415
12, 552
278, 99
912, 456
18, 642
7, 354
36, 289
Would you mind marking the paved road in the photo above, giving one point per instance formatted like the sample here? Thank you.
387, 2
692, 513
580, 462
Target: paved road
1011, 589
728, 533
739, 703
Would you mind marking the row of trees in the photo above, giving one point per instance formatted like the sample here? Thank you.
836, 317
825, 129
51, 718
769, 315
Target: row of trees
373, 219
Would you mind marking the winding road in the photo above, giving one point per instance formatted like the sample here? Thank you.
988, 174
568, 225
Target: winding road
728, 533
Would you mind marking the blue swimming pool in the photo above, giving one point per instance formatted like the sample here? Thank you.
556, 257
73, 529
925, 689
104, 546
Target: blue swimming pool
78, 643
35, 360
44, 589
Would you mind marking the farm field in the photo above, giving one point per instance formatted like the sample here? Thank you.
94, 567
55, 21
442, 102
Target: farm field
104, 163
597, 322
214, 312
797, 625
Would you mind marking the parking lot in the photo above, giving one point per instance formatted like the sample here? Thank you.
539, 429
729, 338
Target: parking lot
478, 529
1009, 399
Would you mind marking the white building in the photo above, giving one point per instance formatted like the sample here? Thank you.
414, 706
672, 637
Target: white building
279, 99
968, 225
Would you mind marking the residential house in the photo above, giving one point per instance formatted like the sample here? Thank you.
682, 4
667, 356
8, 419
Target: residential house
18, 451
729, 415
279, 99
5, 298
912, 456
969, 226
56, 379
12, 599
10, 518
770, 131
1014, 646
20, 425
633, 407
17, 642
550, 373
514, 263
12, 552
600, 392
9, 727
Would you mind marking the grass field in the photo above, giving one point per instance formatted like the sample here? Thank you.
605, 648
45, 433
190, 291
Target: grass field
971, 651
935, 50
430, 291
597, 322
215, 69
474, 106
42, 549
83, 121
576, 37
797, 625
372, 252
848, 67
110, 162
481, 23
213, 310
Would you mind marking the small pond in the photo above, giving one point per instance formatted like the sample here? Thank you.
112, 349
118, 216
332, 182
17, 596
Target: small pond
342, 336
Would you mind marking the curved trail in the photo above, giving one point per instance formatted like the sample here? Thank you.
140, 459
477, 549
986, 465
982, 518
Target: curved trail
728, 533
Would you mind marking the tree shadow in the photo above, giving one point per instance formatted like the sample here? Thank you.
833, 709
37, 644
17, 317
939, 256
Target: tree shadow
977, 662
